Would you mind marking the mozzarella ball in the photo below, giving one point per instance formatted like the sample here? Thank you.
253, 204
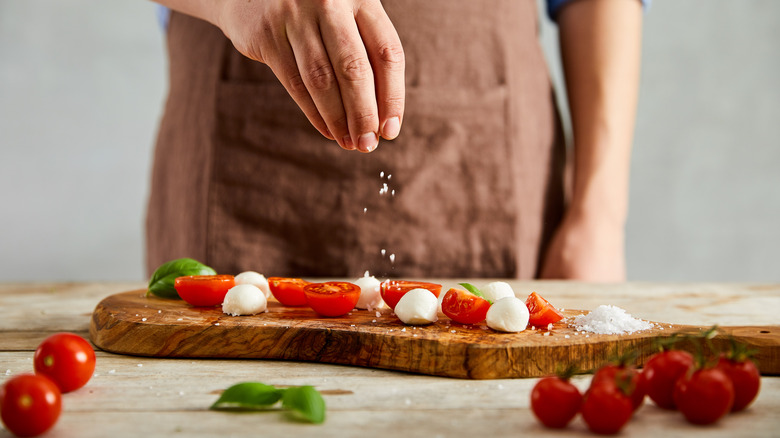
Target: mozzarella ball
508, 314
418, 307
252, 277
244, 299
496, 290
370, 298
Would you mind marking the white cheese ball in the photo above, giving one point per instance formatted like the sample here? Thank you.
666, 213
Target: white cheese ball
418, 307
370, 298
508, 314
244, 299
254, 278
496, 290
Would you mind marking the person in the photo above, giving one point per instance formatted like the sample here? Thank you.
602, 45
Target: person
253, 168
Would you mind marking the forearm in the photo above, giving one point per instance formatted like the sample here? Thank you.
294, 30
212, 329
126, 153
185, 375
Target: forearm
600, 49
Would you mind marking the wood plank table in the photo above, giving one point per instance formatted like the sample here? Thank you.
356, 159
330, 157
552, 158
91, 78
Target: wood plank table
139, 396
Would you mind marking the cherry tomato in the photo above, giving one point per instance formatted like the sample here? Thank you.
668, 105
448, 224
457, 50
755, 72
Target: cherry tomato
204, 290
704, 396
288, 291
67, 359
661, 373
746, 380
606, 408
334, 298
393, 290
555, 401
542, 312
464, 307
635, 383
29, 404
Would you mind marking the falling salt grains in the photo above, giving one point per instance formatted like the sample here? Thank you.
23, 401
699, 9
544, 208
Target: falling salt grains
392, 258
392, 193
365, 209
609, 320
383, 251
382, 174
389, 176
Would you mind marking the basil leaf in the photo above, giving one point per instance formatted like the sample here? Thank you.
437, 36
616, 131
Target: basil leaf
473, 289
161, 283
306, 402
248, 396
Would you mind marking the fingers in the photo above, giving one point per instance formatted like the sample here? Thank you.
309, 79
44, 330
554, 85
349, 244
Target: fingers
388, 62
344, 67
354, 75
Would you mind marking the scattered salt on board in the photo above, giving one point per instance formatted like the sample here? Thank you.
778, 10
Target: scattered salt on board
609, 320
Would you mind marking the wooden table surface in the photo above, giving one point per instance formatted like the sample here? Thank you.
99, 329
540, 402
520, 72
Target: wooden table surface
137, 396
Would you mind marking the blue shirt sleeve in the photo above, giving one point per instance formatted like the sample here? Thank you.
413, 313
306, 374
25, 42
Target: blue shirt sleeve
554, 6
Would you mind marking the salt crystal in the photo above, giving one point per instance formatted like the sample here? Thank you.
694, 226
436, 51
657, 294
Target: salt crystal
216, 324
383, 252
392, 192
549, 326
365, 209
415, 335
373, 320
180, 319
546, 334
389, 176
609, 320
382, 174
365, 274
159, 311
403, 329
7, 372
140, 365
392, 258
500, 386
112, 372
378, 314
352, 325
143, 319
566, 336
453, 331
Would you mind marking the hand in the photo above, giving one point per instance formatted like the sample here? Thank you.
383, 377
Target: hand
340, 60
587, 249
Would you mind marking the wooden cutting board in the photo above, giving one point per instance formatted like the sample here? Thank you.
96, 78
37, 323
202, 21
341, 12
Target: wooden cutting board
131, 323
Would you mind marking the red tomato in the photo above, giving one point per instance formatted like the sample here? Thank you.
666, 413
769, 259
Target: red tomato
464, 307
661, 373
606, 408
204, 290
746, 380
288, 291
393, 290
542, 312
555, 401
334, 298
634, 381
704, 396
67, 359
29, 404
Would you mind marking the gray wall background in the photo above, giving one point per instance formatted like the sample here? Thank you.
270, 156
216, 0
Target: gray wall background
82, 85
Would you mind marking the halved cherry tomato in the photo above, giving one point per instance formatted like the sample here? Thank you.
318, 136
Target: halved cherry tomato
67, 359
204, 290
464, 307
334, 298
29, 404
393, 290
542, 312
288, 291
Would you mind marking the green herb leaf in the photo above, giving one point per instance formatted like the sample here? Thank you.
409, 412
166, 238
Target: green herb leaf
161, 283
473, 289
306, 402
248, 396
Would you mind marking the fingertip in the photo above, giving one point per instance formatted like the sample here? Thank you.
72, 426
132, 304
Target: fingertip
391, 128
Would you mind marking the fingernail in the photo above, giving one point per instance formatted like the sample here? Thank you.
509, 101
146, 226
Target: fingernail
347, 142
367, 142
392, 128
328, 135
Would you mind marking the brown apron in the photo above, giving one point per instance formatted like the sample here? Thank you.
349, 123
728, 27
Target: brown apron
242, 181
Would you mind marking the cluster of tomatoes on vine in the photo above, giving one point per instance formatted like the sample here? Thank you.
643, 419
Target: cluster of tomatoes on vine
703, 389
30, 404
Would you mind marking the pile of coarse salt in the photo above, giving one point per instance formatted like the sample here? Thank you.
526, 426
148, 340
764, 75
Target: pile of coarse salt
609, 320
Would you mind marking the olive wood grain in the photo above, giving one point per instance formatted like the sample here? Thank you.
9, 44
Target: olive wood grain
131, 323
